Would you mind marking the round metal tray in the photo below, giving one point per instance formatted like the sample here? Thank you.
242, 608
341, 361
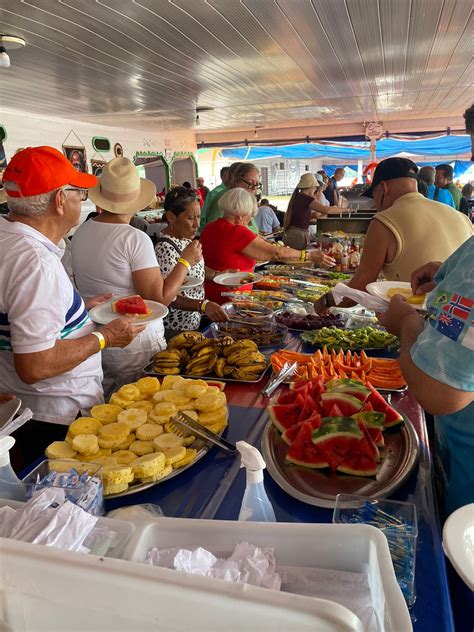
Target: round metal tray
320, 487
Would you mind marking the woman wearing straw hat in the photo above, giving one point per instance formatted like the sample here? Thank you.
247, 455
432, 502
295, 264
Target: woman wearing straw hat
110, 255
302, 208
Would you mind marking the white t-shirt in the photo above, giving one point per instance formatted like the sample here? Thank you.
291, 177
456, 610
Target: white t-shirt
105, 255
39, 305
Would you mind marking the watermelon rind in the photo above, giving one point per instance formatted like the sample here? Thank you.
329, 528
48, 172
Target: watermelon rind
281, 417
351, 387
371, 419
346, 469
347, 403
337, 427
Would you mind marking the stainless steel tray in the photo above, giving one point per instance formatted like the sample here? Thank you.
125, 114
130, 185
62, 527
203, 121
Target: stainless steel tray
149, 371
320, 487
134, 488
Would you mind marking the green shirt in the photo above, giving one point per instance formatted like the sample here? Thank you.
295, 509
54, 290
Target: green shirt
210, 209
456, 193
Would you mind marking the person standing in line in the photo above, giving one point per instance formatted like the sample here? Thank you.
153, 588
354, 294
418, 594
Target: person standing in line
266, 220
203, 190
50, 350
438, 194
331, 192
209, 202
437, 361
444, 180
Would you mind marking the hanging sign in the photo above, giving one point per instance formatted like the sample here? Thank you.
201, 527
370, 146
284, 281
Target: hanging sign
373, 130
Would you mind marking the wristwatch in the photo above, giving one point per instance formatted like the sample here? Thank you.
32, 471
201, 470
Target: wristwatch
328, 300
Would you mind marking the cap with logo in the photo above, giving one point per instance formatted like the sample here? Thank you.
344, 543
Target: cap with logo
37, 170
390, 169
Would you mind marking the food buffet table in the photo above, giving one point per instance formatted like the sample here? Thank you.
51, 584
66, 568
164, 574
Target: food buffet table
213, 488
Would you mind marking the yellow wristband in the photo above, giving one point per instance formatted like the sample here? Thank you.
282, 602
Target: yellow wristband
100, 338
203, 306
185, 263
304, 255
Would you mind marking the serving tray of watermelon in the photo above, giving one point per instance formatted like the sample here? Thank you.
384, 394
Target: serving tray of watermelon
340, 436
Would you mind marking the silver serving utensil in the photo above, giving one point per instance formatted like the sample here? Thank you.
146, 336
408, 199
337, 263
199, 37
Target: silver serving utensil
187, 426
287, 370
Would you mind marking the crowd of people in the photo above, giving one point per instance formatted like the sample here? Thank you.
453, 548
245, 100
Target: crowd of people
60, 364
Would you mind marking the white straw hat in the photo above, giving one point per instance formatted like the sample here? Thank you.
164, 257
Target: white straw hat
307, 181
121, 190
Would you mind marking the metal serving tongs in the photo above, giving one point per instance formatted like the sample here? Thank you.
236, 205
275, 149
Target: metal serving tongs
287, 370
187, 426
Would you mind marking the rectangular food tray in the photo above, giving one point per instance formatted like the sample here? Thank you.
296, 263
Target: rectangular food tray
149, 370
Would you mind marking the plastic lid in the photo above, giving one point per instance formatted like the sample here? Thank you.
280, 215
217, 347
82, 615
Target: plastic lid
6, 444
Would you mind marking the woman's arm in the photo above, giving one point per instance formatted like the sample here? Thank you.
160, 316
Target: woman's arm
212, 310
150, 284
263, 250
327, 210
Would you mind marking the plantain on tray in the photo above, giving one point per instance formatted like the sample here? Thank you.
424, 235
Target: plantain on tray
190, 353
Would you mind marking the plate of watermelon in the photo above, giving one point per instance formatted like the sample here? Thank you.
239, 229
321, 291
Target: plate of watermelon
338, 436
146, 311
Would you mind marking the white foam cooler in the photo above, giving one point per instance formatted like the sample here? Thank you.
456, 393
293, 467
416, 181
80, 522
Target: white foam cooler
353, 547
43, 589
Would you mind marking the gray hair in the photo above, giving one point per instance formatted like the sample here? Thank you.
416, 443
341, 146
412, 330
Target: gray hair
238, 202
29, 206
427, 174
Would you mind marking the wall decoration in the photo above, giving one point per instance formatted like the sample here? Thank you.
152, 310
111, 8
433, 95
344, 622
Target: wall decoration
77, 157
118, 150
97, 164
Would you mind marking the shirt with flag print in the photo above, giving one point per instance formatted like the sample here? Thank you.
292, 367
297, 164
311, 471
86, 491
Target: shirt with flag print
445, 352
38, 306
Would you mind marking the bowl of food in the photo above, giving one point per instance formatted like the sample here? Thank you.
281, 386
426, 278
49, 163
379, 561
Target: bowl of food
247, 312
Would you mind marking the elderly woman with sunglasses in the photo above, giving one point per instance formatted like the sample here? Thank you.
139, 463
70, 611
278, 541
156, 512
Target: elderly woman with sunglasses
241, 175
228, 243
182, 214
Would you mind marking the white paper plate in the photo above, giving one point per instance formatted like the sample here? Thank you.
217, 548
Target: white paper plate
380, 289
103, 314
458, 542
190, 282
234, 279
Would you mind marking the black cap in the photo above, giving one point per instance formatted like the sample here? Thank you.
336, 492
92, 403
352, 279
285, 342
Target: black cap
390, 169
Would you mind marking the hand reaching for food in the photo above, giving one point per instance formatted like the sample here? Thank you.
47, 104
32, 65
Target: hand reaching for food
121, 331
422, 278
318, 256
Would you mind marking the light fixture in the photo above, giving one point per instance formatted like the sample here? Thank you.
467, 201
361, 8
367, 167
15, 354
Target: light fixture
9, 42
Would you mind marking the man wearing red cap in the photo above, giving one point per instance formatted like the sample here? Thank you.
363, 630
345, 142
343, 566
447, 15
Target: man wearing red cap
49, 349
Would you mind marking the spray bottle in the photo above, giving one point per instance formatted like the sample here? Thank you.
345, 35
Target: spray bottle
11, 487
255, 504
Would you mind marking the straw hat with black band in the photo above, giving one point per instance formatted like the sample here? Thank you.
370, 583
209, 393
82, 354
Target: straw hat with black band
121, 190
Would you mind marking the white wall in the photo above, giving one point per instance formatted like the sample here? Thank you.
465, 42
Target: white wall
24, 129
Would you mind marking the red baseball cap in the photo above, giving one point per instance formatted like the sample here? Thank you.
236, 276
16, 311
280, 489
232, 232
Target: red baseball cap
39, 170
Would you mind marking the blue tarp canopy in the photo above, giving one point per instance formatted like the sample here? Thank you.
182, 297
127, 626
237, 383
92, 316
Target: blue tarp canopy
440, 146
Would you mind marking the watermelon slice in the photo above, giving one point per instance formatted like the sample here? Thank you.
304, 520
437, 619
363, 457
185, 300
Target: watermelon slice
348, 404
350, 387
290, 435
358, 464
374, 451
283, 416
336, 438
286, 397
130, 305
303, 451
309, 408
392, 417
374, 423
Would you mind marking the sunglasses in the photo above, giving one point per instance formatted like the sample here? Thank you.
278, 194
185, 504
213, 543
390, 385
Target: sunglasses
251, 185
83, 193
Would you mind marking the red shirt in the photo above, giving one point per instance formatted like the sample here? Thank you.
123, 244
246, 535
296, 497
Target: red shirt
222, 245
